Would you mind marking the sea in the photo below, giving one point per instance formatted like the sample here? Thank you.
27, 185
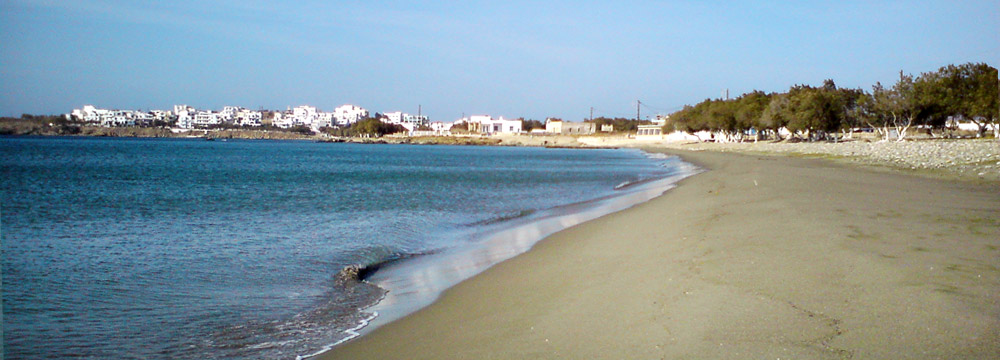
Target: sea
126, 248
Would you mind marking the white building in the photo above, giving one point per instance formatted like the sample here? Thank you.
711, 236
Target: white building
283, 119
185, 116
441, 127
206, 119
348, 114
305, 115
109, 118
181, 108
142, 118
415, 119
323, 119
485, 124
395, 117
556, 126
81, 114
160, 115
246, 117
228, 113
91, 114
401, 118
119, 118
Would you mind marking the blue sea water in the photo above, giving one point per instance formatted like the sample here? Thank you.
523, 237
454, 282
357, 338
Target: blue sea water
180, 248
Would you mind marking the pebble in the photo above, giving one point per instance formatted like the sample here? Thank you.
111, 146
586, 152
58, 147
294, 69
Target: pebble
969, 156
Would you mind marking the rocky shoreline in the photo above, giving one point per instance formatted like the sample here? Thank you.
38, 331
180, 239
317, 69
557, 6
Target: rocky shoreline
968, 159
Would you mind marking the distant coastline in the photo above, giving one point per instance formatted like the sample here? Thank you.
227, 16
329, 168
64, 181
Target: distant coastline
921, 153
55, 126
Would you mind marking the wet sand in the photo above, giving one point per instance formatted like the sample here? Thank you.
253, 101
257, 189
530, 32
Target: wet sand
760, 257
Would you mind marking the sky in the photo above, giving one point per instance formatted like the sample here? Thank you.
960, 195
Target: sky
507, 58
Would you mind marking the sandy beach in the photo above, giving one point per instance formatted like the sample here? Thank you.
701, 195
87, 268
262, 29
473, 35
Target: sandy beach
759, 257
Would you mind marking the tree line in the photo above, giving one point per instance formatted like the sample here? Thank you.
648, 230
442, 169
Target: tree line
965, 92
368, 127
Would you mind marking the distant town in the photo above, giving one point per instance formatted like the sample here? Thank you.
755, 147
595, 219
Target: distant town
184, 118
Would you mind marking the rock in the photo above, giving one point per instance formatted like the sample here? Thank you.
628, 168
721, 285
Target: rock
350, 274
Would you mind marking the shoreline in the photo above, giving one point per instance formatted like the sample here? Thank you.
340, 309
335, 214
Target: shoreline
719, 267
417, 282
975, 160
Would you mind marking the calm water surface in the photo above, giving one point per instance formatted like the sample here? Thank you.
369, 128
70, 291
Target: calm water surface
167, 248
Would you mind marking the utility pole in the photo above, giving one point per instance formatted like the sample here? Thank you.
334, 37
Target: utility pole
419, 108
591, 114
637, 103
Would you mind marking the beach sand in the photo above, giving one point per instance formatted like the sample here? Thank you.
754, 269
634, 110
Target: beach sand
760, 257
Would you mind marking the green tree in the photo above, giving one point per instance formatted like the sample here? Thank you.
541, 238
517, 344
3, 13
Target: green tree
620, 124
820, 112
850, 109
372, 127
527, 125
970, 91
895, 108
749, 110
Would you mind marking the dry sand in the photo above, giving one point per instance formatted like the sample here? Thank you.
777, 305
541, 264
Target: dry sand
761, 257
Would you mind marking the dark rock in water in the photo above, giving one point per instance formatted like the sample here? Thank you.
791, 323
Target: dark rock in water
350, 274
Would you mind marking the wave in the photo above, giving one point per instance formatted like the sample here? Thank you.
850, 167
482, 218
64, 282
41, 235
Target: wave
630, 183
503, 218
360, 272
351, 334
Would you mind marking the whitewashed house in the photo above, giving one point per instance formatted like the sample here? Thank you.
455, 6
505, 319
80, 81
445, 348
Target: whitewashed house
142, 118
283, 119
557, 126
179, 108
323, 119
246, 117
486, 124
84, 114
228, 114
119, 118
91, 114
305, 115
160, 115
185, 116
401, 118
441, 127
395, 117
416, 120
348, 114
185, 119
206, 119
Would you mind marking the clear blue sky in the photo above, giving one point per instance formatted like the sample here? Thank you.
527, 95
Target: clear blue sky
509, 58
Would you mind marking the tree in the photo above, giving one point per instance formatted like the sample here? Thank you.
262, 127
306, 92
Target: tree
970, 91
894, 108
722, 118
372, 127
775, 115
851, 111
620, 124
527, 125
813, 111
750, 108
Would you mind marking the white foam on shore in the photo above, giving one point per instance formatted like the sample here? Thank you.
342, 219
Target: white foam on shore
416, 283
351, 334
